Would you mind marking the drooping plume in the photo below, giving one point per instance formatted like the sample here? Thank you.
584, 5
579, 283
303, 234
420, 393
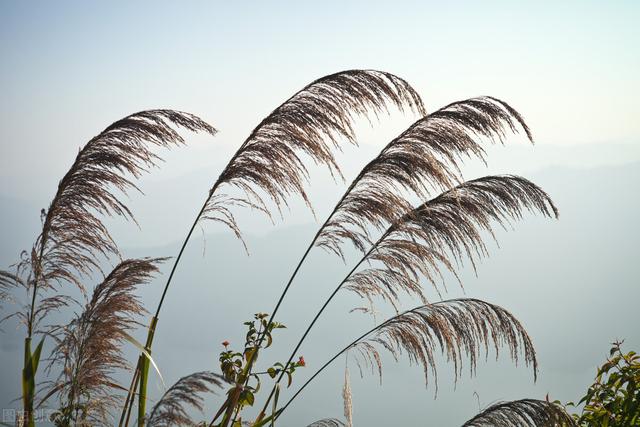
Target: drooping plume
327, 422
312, 123
458, 328
522, 413
172, 408
443, 232
347, 398
424, 158
73, 235
90, 349
9, 281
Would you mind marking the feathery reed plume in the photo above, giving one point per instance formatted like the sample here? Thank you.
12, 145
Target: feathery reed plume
347, 398
444, 231
73, 234
439, 232
9, 281
522, 413
327, 422
423, 158
312, 122
74, 239
447, 226
90, 349
171, 408
459, 327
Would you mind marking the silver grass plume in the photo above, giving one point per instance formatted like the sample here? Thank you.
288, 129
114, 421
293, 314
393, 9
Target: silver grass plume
89, 351
458, 328
327, 422
425, 157
171, 409
74, 238
347, 398
442, 233
270, 163
9, 281
73, 234
522, 413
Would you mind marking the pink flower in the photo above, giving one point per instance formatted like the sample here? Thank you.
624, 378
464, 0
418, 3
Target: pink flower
225, 343
301, 361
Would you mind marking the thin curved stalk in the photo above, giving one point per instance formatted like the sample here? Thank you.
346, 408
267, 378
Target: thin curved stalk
459, 327
284, 293
322, 109
142, 369
340, 353
312, 324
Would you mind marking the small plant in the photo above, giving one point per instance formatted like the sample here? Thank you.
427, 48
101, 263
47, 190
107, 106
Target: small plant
402, 244
613, 400
236, 368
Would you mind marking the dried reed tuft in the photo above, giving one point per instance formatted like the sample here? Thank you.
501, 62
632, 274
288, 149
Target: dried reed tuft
347, 398
73, 234
522, 413
74, 238
327, 422
313, 122
460, 327
442, 232
171, 408
90, 348
424, 158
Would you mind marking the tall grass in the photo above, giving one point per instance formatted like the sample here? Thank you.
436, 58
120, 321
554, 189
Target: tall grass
403, 244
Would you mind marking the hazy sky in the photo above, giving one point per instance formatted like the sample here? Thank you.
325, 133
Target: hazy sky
71, 68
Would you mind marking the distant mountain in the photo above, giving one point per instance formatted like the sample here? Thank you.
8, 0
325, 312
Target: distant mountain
573, 284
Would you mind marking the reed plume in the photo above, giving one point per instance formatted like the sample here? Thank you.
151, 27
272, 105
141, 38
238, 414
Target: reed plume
327, 422
171, 409
312, 123
443, 232
347, 398
522, 413
90, 349
458, 328
8, 281
425, 157
269, 165
73, 234
438, 232
74, 240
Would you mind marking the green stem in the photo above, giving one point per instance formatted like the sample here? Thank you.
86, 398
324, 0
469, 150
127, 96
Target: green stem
144, 374
142, 369
27, 389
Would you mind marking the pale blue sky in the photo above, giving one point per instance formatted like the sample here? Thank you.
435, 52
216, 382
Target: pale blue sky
70, 68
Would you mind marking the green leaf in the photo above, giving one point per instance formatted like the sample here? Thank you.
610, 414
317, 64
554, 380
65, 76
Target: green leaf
35, 358
248, 397
268, 419
275, 404
269, 340
144, 351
